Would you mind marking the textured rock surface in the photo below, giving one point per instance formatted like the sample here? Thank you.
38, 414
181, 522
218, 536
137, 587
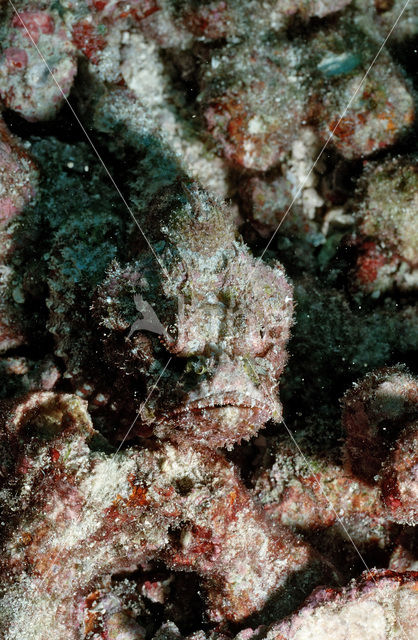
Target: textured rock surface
379, 606
387, 240
18, 186
75, 514
31, 40
374, 413
245, 217
312, 494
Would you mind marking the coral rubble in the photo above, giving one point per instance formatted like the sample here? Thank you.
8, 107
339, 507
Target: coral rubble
77, 514
380, 605
31, 39
370, 605
387, 239
200, 201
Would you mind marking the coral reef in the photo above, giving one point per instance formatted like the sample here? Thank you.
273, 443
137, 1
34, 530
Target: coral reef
253, 117
78, 514
399, 477
374, 413
18, 186
321, 500
381, 446
388, 241
199, 202
353, 497
379, 603
31, 39
246, 93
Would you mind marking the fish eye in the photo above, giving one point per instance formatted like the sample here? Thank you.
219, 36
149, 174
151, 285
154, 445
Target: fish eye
172, 330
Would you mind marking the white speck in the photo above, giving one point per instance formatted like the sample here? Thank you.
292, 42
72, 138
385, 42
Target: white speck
185, 539
255, 125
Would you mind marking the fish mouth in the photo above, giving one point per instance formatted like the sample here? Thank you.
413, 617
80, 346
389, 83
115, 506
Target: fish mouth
218, 420
216, 402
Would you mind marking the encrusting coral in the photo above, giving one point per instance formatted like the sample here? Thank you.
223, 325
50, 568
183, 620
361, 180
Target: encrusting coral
387, 239
25, 84
18, 186
357, 495
380, 416
244, 171
76, 514
380, 602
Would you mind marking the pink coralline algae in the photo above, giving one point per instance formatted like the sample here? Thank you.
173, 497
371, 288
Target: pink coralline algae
382, 603
76, 514
374, 413
388, 238
360, 493
248, 90
95, 35
18, 183
26, 85
316, 495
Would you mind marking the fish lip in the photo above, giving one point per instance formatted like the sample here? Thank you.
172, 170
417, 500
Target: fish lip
220, 401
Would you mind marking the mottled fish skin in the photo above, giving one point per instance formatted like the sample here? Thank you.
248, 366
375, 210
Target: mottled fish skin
229, 314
